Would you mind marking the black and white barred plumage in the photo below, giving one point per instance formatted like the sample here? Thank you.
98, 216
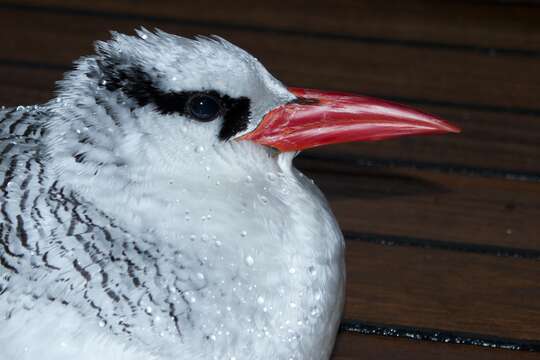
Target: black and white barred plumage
65, 250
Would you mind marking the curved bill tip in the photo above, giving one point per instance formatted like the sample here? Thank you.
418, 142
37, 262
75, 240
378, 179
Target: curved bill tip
318, 118
449, 128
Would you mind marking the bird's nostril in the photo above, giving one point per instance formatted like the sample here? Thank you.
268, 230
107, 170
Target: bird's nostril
305, 101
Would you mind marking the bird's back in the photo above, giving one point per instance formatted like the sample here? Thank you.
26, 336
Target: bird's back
58, 257
45, 235
22, 177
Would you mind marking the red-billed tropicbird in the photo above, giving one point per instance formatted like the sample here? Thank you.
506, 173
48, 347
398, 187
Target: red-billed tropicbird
151, 210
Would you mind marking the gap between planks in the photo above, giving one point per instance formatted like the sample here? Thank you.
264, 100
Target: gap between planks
487, 295
350, 346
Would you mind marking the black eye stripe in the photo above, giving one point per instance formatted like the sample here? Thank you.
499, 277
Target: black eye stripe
137, 85
236, 117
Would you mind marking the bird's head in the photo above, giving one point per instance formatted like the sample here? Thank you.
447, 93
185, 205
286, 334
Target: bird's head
208, 84
207, 92
165, 105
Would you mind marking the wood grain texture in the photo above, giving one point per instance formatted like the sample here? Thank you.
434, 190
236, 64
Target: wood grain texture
441, 75
448, 22
443, 290
26, 86
472, 62
360, 347
431, 205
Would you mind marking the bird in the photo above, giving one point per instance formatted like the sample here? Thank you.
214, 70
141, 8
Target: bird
151, 210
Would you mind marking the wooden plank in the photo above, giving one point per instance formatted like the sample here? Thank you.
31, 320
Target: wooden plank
26, 86
485, 132
443, 290
354, 347
441, 75
430, 205
455, 22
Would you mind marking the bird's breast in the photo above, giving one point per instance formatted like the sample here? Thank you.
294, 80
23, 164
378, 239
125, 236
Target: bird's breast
245, 266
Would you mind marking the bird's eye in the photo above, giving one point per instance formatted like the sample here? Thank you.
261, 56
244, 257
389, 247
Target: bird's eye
203, 107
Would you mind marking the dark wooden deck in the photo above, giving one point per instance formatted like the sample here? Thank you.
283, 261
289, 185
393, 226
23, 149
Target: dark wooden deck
443, 233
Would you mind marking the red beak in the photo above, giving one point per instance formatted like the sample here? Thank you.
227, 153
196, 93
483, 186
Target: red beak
318, 118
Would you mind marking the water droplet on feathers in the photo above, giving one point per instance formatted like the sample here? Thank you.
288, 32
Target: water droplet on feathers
271, 177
